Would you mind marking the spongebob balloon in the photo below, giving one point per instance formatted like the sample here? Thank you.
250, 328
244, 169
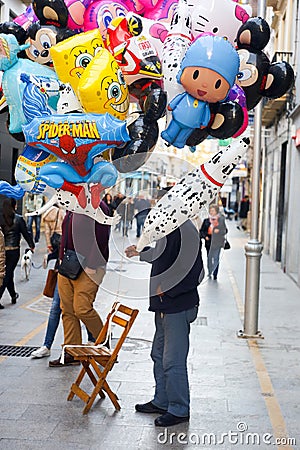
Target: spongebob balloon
72, 56
102, 87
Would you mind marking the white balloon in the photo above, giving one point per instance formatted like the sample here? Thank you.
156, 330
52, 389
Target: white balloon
192, 194
176, 44
220, 17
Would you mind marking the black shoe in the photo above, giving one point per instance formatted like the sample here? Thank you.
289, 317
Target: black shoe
149, 408
215, 277
69, 361
14, 299
168, 419
1, 306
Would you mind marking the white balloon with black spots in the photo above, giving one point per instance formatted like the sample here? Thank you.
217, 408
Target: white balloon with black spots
191, 194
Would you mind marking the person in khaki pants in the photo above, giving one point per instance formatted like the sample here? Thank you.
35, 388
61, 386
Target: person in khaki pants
90, 239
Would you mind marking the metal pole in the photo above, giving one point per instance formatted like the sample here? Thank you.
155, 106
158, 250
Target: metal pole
253, 249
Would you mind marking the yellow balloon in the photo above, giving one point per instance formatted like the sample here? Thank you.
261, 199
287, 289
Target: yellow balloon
72, 56
102, 87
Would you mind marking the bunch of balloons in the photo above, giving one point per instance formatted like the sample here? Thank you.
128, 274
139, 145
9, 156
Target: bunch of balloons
72, 67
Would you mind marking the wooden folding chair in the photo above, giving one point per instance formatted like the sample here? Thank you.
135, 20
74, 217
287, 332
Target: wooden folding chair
101, 359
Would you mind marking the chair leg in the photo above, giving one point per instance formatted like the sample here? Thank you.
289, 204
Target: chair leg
112, 395
77, 383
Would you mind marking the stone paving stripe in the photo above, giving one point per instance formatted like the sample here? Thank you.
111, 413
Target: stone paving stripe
267, 390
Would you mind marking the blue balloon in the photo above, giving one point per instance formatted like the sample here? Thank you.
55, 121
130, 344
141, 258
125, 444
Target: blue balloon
11, 191
12, 85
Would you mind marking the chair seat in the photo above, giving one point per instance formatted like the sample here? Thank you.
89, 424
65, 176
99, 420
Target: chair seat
78, 352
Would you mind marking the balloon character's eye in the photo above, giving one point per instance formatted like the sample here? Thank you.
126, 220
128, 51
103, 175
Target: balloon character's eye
83, 60
195, 74
45, 41
215, 30
114, 91
218, 84
244, 75
121, 78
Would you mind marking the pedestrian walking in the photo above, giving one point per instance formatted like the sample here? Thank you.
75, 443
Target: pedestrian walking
141, 206
109, 203
52, 220
2, 261
89, 240
13, 227
243, 213
34, 202
213, 231
176, 271
126, 211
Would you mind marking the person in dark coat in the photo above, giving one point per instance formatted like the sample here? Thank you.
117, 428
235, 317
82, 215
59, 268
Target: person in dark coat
176, 271
243, 213
13, 227
213, 231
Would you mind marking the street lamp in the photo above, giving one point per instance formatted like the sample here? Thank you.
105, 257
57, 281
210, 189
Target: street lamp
253, 249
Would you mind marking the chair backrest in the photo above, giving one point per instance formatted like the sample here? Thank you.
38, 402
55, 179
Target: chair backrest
120, 315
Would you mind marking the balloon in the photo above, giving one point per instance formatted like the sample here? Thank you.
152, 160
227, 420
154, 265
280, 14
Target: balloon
27, 171
11, 84
11, 191
100, 14
207, 73
68, 102
15, 29
258, 77
51, 12
76, 138
134, 154
36, 94
175, 46
192, 194
219, 17
76, 10
153, 9
102, 87
27, 18
72, 56
236, 94
133, 51
41, 38
68, 201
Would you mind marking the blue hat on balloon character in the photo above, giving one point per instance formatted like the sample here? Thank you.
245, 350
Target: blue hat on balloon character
215, 53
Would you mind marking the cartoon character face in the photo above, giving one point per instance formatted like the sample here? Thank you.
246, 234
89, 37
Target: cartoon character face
72, 56
41, 39
102, 88
204, 84
219, 17
100, 14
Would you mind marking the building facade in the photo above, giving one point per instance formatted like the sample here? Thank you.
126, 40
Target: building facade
281, 156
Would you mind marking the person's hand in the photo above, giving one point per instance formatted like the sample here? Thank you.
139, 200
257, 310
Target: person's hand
90, 271
207, 238
216, 230
159, 291
131, 251
32, 249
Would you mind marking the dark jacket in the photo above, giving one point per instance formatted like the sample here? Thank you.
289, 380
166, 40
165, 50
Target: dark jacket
215, 240
177, 269
87, 236
12, 235
244, 208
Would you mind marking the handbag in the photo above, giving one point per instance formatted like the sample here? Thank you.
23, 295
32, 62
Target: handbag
227, 246
71, 265
51, 281
55, 240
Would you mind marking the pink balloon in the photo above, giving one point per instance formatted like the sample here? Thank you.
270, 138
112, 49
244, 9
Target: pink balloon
153, 9
99, 14
76, 9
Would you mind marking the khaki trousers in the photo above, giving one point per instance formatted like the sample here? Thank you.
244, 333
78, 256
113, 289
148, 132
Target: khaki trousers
76, 302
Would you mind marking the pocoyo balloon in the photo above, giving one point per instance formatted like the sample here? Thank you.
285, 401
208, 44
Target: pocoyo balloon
207, 73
